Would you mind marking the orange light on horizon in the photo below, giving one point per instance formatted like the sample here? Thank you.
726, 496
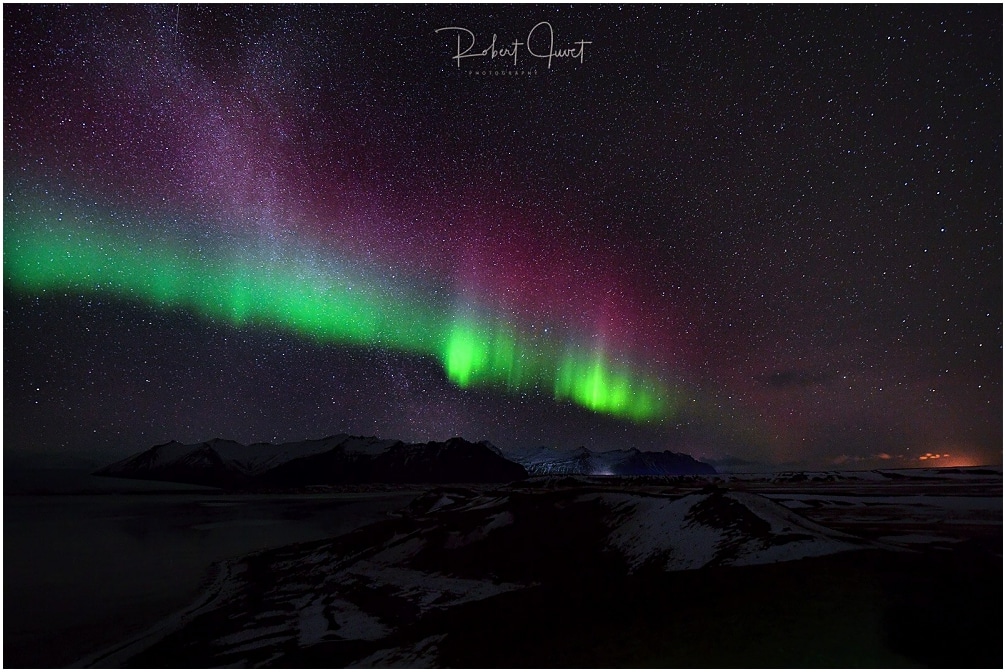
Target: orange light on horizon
963, 458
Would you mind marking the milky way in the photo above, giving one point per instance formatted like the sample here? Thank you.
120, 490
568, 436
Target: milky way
314, 296
763, 236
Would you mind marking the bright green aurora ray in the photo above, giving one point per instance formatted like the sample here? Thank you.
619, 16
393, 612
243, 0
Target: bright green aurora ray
310, 294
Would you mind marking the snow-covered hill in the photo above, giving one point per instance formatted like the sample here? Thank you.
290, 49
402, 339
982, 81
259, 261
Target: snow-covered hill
387, 594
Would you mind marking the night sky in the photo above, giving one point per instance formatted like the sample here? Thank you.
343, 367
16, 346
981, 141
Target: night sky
770, 237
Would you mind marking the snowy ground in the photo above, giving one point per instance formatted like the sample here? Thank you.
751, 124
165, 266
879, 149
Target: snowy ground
391, 594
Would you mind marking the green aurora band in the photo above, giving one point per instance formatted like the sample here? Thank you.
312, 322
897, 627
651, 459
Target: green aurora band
291, 288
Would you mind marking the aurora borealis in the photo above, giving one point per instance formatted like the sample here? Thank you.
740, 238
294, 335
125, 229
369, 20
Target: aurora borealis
314, 298
762, 236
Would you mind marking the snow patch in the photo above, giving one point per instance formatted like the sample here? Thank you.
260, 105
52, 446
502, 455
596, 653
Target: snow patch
656, 526
355, 623
457, 540
703, 529
399, 549
422, 654
311, 623
428, 589
441, 503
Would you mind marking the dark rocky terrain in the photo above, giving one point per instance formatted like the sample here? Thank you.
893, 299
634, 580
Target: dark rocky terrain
831, 570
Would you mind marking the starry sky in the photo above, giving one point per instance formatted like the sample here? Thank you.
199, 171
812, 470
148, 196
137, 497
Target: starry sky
770, 237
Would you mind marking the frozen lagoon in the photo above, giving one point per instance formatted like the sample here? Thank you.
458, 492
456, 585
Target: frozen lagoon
85, 571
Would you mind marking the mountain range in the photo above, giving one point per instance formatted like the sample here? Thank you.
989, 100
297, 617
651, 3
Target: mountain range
344, 459
334, 460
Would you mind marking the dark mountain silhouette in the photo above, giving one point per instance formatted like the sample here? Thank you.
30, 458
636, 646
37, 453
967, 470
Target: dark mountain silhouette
334, 460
